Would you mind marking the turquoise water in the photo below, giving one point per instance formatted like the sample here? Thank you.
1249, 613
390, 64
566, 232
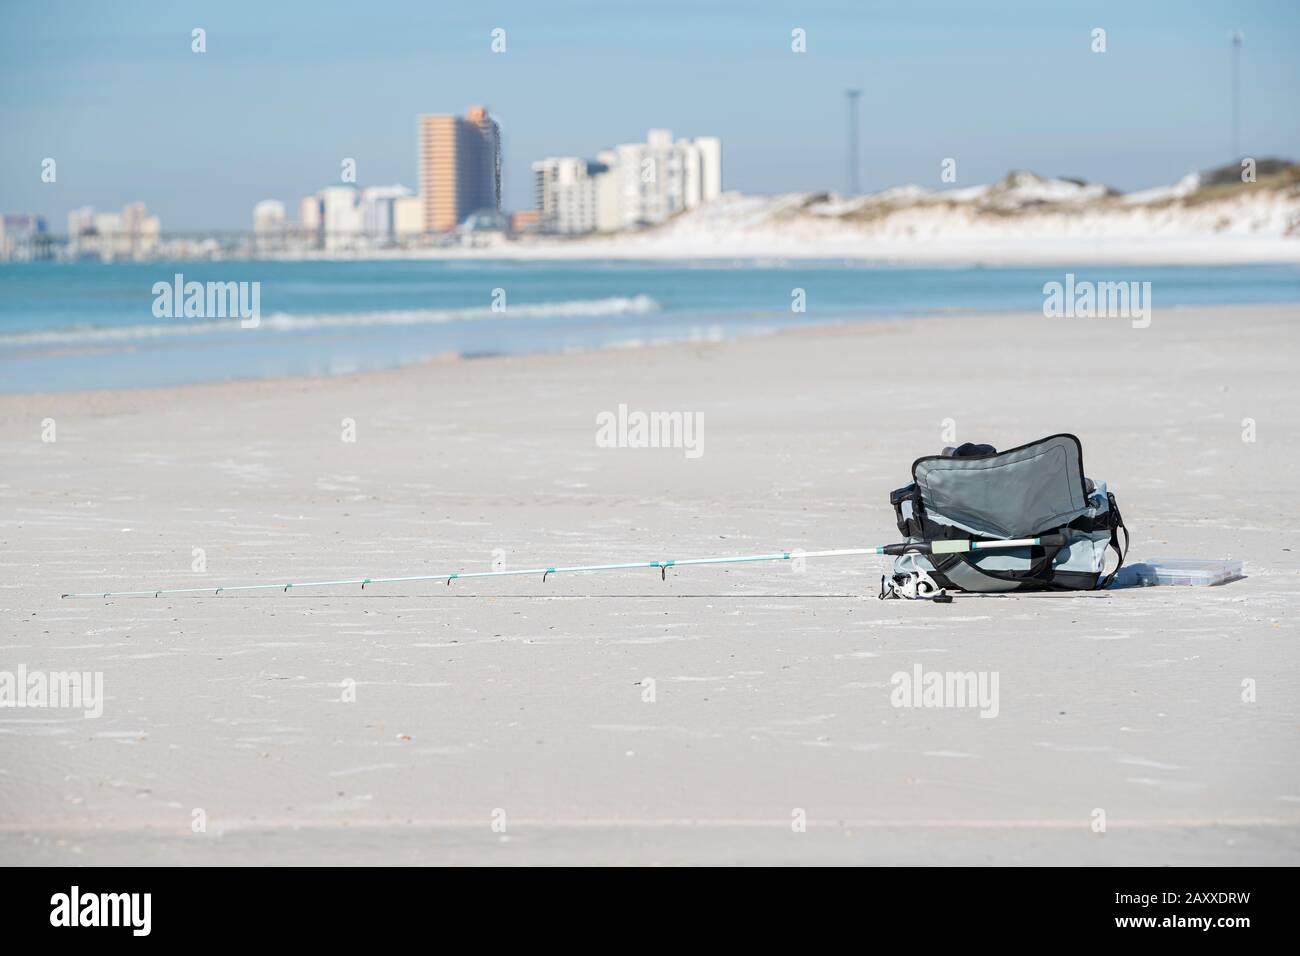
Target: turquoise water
68, 326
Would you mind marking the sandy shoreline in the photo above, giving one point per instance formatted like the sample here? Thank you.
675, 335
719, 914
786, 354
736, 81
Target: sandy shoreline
1135, 250
772, 688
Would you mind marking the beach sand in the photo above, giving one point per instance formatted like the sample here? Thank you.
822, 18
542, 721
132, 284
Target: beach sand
931, 247
522, 703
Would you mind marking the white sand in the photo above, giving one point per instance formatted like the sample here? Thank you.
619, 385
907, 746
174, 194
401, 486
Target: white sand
1127, 249
772, 688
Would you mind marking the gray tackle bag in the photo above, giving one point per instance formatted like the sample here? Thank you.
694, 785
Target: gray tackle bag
976, 493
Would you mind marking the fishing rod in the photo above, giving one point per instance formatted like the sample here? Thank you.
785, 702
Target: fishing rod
955, 546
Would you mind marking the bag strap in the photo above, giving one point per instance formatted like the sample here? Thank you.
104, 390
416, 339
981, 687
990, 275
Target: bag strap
1039, 571
1117, 525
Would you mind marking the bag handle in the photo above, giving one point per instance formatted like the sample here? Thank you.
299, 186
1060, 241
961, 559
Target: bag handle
1117, 525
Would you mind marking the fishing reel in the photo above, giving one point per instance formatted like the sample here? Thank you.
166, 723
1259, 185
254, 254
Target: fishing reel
913, 585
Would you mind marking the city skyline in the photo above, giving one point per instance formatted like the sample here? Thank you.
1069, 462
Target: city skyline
280, 98
628, 186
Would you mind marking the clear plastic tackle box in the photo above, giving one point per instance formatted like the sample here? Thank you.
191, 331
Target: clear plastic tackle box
1198, 572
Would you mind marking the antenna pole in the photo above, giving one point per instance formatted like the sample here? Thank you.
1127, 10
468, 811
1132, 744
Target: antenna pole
853, 140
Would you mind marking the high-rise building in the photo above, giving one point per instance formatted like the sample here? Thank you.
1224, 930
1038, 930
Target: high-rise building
661, 177
21, 237
270, 233
341, 216
310, 215
408, 217
710, 149
132, 233
460, 167
268, 216
378, 210
567, 194
81, 221
633, 184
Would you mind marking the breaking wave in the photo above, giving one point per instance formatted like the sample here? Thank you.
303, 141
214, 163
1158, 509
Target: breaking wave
281, 322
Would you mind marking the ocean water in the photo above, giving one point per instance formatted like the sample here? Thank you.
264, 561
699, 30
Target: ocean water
71, 326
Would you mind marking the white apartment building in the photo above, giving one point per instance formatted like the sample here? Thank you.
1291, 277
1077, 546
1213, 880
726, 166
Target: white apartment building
408, 216
81, 221
131, 233
345, 216
268, 216
568, 194
630, 185
340, 216
378, 210
310, 216
710, 150
19, 235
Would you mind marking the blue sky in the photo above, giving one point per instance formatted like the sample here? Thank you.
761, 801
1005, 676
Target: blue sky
286, 90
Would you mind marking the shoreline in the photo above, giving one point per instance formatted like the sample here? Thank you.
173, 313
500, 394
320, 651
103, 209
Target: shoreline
1126, 250
1137, 250
832, 326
